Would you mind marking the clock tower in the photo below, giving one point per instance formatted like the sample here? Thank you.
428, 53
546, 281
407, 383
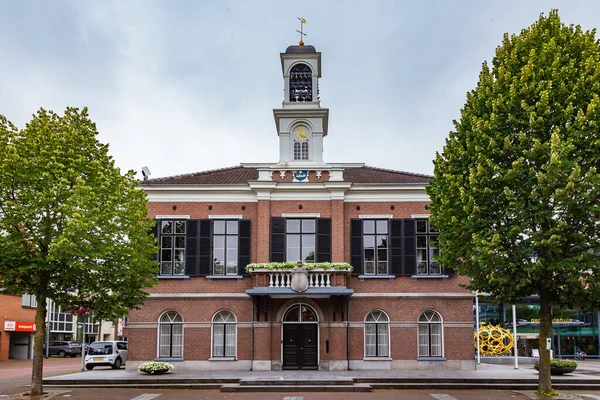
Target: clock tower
301, 122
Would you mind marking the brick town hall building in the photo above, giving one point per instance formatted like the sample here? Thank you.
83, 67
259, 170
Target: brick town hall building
394, 308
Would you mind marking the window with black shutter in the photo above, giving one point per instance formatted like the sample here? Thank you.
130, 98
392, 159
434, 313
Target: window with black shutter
244, 246
356, 249
225, 241
172, 247
427, 249
300, 239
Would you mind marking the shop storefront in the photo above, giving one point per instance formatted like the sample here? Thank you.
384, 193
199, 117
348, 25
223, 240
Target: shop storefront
571, 329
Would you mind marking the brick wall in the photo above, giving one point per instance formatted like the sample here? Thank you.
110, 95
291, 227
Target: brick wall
11, 310
403, 309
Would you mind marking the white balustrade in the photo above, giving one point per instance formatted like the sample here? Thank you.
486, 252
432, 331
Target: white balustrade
284, 279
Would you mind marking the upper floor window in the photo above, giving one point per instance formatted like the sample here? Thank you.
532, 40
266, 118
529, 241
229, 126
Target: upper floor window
225, 247
203, 247
300, 83
60, 321
300, 240
427, 249
375, 246
172, 243
28, 300
90, 327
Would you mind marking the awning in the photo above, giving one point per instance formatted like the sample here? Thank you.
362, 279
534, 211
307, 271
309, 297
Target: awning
314, 292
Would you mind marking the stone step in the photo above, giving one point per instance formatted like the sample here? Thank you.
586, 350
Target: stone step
140, 385
515, 385
296, 382
358, 387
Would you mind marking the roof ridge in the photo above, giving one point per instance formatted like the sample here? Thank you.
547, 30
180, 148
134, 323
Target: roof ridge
209, 171
397, 172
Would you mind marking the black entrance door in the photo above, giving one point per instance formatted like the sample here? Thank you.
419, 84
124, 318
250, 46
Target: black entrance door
300, 346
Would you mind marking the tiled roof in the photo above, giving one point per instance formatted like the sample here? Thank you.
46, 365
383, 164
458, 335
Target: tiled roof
368, 174
237, 175
240, 175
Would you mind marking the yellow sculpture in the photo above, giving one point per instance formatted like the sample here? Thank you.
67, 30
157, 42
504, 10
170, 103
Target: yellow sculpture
494, 340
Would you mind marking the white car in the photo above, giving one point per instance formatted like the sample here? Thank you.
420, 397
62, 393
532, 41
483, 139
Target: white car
108, 353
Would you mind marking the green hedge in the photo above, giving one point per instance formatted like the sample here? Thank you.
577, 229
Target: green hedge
282, 266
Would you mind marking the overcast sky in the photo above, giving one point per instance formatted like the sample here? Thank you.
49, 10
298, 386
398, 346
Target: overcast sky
186, 86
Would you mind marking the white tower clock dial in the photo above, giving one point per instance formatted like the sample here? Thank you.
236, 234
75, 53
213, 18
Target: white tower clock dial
300, 134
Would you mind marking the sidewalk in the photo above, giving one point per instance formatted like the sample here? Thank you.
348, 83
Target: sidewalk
487, 375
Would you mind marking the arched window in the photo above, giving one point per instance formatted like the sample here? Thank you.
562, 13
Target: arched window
300, 313
377, 334
170, 335
224, 335
301, 83
430, 334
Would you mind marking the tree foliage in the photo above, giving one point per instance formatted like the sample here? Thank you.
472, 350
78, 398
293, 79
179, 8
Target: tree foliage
519, 174
72, 227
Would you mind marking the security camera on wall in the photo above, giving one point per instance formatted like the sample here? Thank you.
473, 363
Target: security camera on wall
145, 172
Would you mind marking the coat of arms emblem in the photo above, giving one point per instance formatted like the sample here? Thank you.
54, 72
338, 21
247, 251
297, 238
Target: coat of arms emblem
299, 278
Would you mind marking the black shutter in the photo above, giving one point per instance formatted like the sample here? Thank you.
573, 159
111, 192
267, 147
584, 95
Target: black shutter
356, 246
323, 240
409, 244
396, 247
277, 239
191, 247
154, 231
243, 246
204, 247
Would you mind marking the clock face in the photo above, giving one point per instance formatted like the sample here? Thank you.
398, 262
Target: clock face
300, 134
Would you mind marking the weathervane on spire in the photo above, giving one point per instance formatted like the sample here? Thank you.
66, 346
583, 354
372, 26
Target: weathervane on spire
302, 22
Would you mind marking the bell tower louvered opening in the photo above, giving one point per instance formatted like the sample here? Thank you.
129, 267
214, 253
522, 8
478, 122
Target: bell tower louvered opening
301, 83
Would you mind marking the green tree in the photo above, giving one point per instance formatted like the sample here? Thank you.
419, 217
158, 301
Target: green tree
519, 175
72, 228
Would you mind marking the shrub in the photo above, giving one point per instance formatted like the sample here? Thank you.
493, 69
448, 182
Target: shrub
559, 364
155, 367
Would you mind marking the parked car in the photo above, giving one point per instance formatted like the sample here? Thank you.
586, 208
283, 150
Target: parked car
107, 353
62, 348
86, 347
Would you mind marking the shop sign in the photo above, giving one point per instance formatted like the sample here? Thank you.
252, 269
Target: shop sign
18, 326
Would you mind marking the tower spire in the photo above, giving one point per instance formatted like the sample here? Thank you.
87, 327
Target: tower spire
301, 31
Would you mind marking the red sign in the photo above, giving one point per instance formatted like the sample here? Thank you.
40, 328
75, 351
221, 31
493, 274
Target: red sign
25, 327
18, 326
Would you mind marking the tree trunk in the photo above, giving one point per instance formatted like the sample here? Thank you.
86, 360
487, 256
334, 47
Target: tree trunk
38, 347
545, 380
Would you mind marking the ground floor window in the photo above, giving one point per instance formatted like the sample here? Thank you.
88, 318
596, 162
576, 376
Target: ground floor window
170, 335
430, 334
377, 334
224, 334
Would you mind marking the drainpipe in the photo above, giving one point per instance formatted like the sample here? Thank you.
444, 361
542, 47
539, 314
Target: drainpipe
348, 331
252, 336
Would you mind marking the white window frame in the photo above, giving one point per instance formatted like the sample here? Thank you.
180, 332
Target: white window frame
158, 341
62, 318
376, 249
173, 235
389, 341
428, 249
429, 323
28, 300
212, 336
